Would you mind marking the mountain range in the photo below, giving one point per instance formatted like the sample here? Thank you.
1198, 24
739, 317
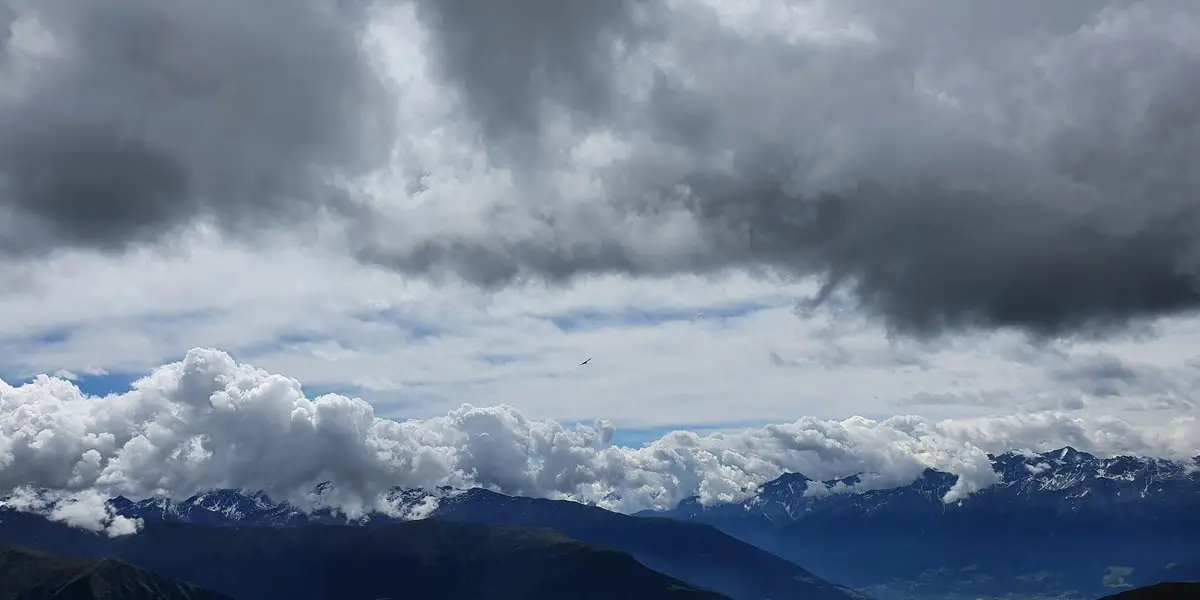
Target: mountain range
1060, 524
694, 552
1065, 522
418, 559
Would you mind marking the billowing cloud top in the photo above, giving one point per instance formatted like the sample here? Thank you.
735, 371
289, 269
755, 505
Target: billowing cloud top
944, 164
209, 422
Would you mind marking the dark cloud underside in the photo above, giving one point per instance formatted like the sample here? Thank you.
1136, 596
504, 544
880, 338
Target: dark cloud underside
942, 164
143, 116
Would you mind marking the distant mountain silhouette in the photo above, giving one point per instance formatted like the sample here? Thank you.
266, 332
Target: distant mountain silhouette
696, 553
699, 554
31, 575
1062, 521
1160, 591
420, 559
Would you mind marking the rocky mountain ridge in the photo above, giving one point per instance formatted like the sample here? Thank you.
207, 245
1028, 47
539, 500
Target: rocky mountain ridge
1064, 482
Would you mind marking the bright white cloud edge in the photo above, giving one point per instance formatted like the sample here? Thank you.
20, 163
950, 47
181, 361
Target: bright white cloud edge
210, 422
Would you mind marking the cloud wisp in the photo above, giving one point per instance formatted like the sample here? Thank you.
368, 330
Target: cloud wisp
210, 422
1030, 165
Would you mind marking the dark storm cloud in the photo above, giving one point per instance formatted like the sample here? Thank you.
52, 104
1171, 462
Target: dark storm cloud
510, 57
1109, 376
1027, 164
7, 17
940, 164
125, 119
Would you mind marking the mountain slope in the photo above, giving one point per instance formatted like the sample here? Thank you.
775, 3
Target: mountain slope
1069, 484
1062, 521
31, 575
425, 559
693, 552
1183, 571
1160, 591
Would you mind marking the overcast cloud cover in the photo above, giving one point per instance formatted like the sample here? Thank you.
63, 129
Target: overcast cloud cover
979, 209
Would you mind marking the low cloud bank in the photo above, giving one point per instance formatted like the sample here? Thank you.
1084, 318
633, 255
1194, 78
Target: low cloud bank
210, 422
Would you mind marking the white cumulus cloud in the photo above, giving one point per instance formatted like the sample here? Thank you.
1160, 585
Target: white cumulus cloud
208, 421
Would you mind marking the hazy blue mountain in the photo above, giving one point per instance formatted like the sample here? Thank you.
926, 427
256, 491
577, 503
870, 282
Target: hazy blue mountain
697, 553
419, 559
1062, 522
694, 552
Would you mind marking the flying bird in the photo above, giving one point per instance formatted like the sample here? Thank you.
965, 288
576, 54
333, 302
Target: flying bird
585, 362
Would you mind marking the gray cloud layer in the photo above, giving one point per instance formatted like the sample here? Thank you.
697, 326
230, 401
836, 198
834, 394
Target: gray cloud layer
941, 163
126, 119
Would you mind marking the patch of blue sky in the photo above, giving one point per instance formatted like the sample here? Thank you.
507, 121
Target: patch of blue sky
104, 384
91, 384
591, 319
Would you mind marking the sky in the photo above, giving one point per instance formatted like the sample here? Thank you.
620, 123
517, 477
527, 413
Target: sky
906, 234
